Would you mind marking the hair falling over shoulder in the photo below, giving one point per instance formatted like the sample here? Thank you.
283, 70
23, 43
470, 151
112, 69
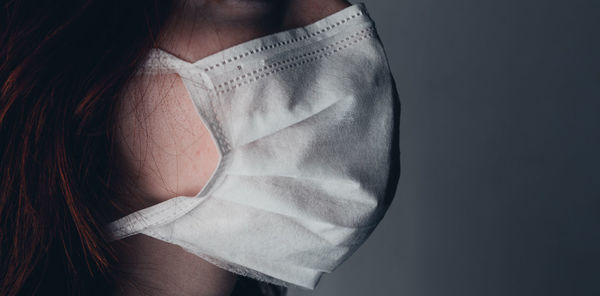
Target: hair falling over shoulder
62, 65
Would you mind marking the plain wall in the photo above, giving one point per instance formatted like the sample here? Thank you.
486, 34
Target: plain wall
500, 140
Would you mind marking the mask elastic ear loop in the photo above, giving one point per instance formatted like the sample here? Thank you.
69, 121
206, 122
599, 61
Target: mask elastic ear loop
160, 61
196, 77
152, 216
163, 61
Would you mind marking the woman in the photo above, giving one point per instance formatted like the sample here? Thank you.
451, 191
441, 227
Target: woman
89, 141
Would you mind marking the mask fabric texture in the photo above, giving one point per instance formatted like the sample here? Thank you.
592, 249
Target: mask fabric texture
306, 124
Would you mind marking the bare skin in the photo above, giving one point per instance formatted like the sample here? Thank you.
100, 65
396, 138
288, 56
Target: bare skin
166, 144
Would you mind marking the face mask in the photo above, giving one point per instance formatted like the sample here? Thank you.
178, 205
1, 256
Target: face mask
306, 124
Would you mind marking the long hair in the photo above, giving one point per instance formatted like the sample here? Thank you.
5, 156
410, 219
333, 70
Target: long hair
63, 65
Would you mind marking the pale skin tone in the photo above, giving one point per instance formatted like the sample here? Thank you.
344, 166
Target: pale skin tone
166, 143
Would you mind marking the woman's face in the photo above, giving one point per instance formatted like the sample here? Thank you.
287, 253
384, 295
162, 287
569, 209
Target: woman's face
223, 11
201, 27
272, 11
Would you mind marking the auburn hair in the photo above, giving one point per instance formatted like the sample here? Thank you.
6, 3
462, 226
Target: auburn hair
63, 65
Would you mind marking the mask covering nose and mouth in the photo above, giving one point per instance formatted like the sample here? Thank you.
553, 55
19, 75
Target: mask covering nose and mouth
306, 122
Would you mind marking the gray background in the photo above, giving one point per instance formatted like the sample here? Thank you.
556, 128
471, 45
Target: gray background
500, 140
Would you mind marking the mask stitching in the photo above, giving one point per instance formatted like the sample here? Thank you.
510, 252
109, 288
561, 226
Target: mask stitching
280, 66
280, 63
351, 39
281, 43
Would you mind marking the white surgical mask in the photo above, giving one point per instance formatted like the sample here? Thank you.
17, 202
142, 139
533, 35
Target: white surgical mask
306, 124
